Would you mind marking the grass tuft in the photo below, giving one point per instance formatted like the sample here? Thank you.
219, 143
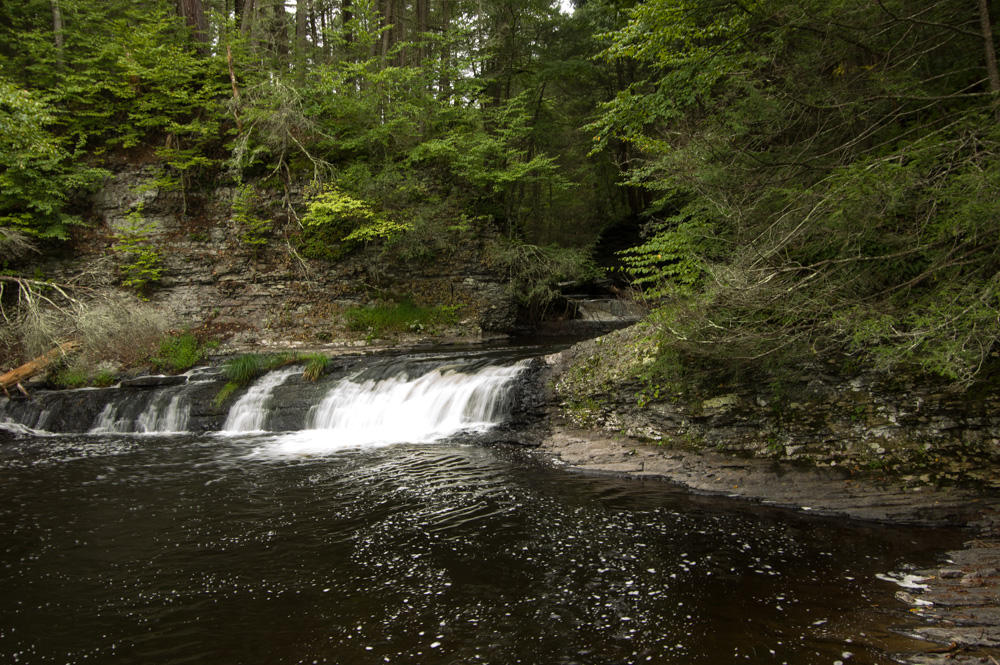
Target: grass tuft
316, 364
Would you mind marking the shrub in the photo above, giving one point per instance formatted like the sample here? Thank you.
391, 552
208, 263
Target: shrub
119, 327
111, 326
104, 378
254, 230
178, 353
139, 262
70, 377
533, 271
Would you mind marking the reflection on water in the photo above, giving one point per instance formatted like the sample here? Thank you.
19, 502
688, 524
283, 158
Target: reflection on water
193, 550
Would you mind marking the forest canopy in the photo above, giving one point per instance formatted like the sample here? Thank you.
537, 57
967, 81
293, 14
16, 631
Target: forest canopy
797, 176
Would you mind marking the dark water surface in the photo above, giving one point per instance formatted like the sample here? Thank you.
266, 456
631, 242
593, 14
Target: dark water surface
212, 549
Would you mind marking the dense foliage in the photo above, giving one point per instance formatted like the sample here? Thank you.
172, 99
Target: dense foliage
810, 176
827, 178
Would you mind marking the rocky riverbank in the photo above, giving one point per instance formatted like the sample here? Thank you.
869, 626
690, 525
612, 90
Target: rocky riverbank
821, 490
959, 602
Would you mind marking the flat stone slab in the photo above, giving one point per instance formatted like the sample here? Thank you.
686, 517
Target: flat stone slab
154, 381
824, 490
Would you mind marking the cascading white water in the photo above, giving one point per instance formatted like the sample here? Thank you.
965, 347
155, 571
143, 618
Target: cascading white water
108, 421
166, 412
249, 414
361, 411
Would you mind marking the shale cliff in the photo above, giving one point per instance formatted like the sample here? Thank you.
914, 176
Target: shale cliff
862, 422
267, 290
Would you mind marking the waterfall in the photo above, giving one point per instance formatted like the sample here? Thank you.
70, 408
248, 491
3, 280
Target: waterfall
406, 403
405, 399
164, 411
108, 421
249, 414
25, 415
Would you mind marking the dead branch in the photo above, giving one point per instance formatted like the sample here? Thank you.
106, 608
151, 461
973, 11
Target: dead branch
15, 377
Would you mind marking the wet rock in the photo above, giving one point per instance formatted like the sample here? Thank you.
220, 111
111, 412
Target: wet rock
973, 579
826, 490
498, 318
153, 381
910, 599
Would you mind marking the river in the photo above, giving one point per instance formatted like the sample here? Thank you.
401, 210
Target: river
315, 547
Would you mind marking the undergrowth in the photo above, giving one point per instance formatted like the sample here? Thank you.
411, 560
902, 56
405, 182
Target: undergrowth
179, 353
316, 364
404, 316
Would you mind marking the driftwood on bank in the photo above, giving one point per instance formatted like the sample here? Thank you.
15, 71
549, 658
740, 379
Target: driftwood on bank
14, 377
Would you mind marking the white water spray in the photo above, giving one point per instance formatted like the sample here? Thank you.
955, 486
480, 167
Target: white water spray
108, 421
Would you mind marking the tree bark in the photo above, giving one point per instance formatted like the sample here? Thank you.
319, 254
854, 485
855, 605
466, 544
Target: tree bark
193, 14
302, 10
279, 31
15, 377
444, 93
423, 12
399, 30
385, 43
992, 73
57, 32
236, 90
248, 18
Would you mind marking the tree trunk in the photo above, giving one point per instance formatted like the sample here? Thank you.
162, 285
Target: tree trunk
194, 17
422, 9
385, 43
399, 30
57, 32
236, 90
15, 377
302, 10
248, 18
445, 82
991, 55
314, 34
346, 16
279, 32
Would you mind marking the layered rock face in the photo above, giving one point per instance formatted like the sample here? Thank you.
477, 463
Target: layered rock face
899, 423
269, 289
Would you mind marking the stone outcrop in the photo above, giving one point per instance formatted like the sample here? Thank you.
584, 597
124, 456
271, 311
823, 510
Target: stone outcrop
269, 290
868, 422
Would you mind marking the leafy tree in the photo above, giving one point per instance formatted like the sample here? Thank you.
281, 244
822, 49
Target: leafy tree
37, 175
139, 262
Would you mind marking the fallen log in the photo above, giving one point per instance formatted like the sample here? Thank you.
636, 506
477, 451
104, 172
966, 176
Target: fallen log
14, 377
